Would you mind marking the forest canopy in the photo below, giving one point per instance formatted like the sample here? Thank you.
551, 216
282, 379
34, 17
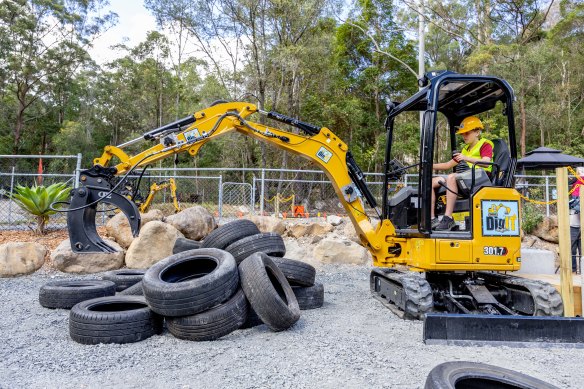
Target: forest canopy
327, 62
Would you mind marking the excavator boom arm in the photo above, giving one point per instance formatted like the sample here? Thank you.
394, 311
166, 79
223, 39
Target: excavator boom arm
319, 145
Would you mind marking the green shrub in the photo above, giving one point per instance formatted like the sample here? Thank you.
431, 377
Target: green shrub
531, 216
36, 200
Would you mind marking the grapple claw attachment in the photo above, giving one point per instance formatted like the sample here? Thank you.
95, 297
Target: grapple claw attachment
81, 222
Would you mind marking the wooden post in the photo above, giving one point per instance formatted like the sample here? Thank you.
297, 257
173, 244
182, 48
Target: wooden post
566, 284
277, 204
581, 244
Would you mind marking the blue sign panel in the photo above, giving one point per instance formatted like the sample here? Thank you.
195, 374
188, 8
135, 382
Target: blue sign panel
500, 217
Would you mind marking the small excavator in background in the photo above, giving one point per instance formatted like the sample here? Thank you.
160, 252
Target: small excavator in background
131, 190
417, 269
157, 187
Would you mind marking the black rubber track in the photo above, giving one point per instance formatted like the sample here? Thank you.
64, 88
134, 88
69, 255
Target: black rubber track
124, 278
309, 297
297, 273
113, 319
190, 282
184, 244
268, 292
66, 293
473, 375
212, 324
269, 243
229, 233
134, 290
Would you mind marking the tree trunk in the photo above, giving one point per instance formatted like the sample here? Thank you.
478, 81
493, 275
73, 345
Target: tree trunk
21, 93
523, 125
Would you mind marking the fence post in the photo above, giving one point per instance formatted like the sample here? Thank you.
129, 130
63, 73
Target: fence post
547, 196
262, 190
11, 201
77, 170
253, 191
220, 196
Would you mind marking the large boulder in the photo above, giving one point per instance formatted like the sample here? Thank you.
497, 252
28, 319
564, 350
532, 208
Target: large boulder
339, 250
155, 242
547, 229
300, 251
118, 226
194, 223
65, 260
315, 229
334, 220
269, 224
18, 258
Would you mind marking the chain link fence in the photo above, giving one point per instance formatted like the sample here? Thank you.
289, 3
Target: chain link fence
224, 192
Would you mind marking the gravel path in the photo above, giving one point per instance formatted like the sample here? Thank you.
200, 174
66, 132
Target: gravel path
352, 342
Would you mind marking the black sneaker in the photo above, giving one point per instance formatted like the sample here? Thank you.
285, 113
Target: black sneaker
435, 223
446, 224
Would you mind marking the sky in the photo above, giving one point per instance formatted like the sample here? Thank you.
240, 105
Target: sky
134, 22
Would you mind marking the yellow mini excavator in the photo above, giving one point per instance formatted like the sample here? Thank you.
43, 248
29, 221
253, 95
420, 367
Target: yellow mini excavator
417, 269
157, 187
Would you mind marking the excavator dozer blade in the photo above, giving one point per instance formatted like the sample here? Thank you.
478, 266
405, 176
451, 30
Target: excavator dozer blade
81, 222
472, 330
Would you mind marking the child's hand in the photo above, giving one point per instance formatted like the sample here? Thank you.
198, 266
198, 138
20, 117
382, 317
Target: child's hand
458, 157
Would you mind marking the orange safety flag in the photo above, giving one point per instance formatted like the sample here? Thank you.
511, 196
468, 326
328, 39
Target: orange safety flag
40, 172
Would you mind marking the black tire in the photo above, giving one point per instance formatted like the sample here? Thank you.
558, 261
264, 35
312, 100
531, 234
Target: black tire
66, 293
184, 244
252, 320
212, 324
269, 243
190, 282
297, 273
113, 319
310, 297
268, 292
467, 375
134, 290
230, 233
124, 278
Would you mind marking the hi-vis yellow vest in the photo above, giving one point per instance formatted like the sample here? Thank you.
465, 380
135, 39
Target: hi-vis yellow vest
476, 153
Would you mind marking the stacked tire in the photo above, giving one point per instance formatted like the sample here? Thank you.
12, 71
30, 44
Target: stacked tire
198, 293
97, 315
301, 276
243, 240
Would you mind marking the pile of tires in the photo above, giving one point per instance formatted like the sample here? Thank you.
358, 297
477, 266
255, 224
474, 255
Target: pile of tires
198, 293
235, 278
97, 314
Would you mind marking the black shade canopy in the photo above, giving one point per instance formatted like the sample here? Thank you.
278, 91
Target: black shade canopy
546, 158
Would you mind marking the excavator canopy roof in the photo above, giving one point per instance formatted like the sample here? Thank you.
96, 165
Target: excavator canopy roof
457, 96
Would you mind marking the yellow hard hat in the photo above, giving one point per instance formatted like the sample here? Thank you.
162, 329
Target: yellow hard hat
470, 123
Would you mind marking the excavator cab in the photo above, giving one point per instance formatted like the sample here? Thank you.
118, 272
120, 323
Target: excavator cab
453, 97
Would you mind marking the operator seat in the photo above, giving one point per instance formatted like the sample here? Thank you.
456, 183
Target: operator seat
502, 157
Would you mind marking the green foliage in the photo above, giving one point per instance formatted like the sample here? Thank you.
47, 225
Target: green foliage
531, 216
36, 200
292, 57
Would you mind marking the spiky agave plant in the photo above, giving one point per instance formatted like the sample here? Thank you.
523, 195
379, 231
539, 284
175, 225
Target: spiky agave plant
36, 200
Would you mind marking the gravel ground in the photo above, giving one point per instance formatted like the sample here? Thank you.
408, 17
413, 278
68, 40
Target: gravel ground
353, 342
